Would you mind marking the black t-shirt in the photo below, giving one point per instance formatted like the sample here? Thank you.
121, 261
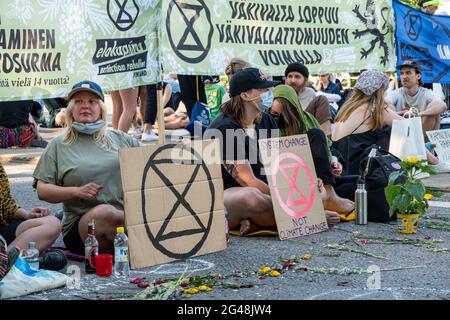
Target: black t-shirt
15, 113
227, 130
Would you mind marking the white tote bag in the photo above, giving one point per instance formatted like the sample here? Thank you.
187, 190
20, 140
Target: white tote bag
407, 138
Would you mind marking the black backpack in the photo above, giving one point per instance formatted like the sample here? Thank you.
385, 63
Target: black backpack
376, 175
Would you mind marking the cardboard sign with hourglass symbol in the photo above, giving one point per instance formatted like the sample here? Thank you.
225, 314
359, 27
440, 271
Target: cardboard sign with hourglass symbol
292, 180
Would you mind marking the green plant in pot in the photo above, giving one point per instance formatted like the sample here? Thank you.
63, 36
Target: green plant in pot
406, 194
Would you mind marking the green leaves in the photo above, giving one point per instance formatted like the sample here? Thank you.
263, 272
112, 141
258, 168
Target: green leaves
391, 191
408, 196
394, 176
401, 202
415, 188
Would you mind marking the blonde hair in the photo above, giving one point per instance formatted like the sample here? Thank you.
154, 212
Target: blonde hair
375, 107
235, 108
100, 137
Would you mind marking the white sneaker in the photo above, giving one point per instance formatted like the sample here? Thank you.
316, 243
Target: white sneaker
149, 137
441, 167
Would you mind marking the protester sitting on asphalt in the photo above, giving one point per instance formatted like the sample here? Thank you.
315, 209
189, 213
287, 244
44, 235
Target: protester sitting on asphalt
293, 120
172, 80
19, 227
175, 119
365, 119
17, 126
80, 168
56, 108
330, 90
247, 195
240, 124
413, 95
296, 76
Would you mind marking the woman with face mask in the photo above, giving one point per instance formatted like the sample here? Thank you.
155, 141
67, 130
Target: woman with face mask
241, 122
293, 120
81, 169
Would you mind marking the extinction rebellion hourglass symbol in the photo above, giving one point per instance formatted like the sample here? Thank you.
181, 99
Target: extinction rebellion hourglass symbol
293, 199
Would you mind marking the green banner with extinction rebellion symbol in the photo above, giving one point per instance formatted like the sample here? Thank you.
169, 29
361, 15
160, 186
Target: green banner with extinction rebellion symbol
48, 45
201, 36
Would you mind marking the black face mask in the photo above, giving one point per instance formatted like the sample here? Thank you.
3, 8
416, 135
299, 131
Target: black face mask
279, 120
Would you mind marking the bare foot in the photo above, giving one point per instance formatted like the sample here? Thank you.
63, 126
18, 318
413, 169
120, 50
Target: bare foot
339, 205
335, 203
332, 218
245, 227
248, 227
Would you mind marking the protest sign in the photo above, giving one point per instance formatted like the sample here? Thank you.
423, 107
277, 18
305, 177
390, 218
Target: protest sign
173, 199
201, 36
47, 46
425, 39
292, 179
441, 138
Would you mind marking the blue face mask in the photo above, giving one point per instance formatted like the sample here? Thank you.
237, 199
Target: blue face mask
89, 128
266, 103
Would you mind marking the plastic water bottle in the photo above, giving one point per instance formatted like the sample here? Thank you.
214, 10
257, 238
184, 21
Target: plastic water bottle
32, 256
121, 265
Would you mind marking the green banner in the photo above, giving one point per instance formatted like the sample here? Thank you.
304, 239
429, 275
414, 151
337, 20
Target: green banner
201, 36
48, 45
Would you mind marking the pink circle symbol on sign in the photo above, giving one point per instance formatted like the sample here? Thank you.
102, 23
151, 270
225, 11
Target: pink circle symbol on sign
301, 206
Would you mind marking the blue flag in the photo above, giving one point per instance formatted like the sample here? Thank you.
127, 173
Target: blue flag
425, 39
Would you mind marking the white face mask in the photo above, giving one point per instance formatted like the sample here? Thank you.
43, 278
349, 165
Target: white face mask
89, 128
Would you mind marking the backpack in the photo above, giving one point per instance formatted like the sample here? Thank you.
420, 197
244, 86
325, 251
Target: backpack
376, 174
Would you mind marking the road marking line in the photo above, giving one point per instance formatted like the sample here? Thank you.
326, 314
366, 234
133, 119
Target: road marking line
440, 204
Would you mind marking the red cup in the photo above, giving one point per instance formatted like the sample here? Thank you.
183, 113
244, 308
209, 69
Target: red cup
103, 265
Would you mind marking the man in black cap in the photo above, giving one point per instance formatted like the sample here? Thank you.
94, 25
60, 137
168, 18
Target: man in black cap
412, 94
297, 75
240, 124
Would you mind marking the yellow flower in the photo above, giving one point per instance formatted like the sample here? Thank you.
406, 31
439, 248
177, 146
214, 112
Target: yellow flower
264, 269
275, 274
411, 160
204, 288
191, 291
428, 196
306, 257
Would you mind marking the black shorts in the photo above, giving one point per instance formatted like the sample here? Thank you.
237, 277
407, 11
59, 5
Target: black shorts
8, 231
73, 240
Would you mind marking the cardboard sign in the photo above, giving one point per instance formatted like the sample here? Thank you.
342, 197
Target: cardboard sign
173, 199
441, 138
293, 186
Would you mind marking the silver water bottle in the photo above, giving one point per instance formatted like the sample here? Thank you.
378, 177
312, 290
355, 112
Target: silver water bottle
361, 202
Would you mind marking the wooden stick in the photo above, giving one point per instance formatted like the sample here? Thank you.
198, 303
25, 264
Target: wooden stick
161, 125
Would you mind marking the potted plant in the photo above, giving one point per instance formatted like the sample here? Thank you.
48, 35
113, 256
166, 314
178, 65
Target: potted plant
406, 194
